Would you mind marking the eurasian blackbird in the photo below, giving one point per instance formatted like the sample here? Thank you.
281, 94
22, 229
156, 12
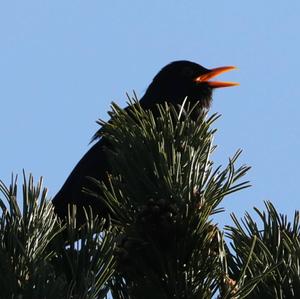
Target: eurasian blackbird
175, 82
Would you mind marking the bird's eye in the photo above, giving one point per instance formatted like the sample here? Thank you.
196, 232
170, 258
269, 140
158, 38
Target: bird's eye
187, 72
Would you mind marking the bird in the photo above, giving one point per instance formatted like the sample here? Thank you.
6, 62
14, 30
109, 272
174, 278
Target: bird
172, 84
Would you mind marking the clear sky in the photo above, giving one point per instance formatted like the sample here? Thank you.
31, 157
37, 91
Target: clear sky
63, 62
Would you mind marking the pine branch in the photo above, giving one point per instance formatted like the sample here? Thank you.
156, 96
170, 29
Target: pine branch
276, 253
162, 194
34, 259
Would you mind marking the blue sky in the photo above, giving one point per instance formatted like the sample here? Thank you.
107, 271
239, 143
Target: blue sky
63, 62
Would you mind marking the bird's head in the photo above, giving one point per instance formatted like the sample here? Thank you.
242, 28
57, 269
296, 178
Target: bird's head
181, 79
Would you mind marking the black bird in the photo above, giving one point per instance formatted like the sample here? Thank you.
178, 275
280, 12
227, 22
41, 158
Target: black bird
172, 84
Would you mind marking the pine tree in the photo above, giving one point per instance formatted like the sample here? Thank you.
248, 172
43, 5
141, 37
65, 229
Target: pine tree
161, 240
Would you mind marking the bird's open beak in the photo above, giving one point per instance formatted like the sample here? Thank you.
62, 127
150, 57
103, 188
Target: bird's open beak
213, 73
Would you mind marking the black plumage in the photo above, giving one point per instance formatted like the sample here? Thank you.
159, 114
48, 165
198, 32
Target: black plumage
175, 82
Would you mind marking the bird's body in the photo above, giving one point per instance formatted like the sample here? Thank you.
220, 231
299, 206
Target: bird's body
175, 82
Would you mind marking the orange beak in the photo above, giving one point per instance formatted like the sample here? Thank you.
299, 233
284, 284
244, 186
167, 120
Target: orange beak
213, 73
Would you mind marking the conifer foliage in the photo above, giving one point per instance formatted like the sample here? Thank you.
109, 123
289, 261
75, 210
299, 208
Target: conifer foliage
35, 259
163, 196
160, 240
